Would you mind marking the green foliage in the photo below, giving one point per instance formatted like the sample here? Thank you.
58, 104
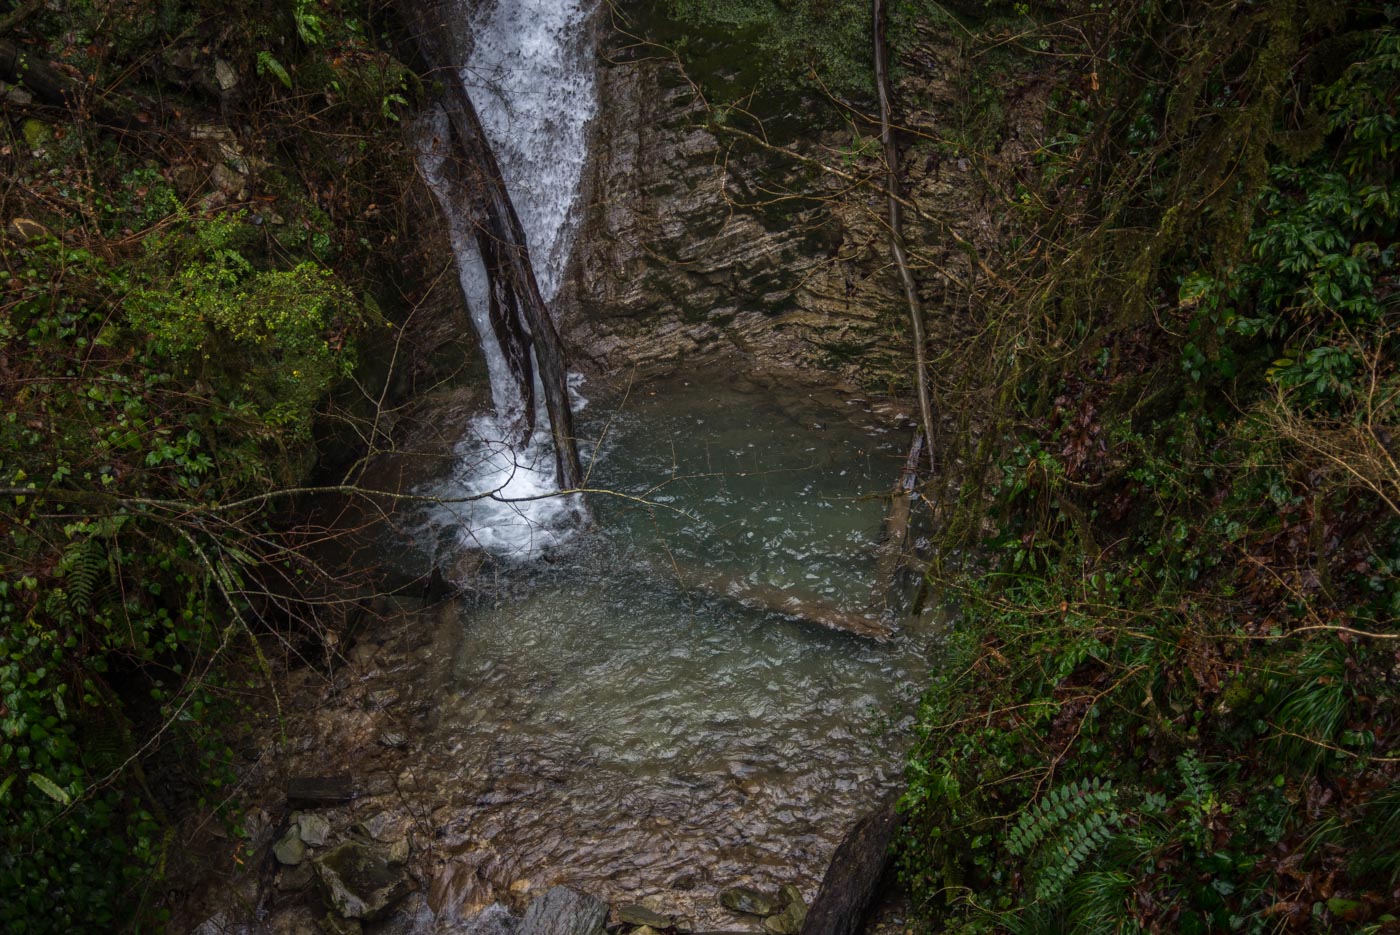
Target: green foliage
807, 42
278, 335
1177, 650
267, 64
119, 431
1065, 828
163, 358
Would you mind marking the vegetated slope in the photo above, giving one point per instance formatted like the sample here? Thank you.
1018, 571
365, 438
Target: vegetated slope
1170, 700
192, 222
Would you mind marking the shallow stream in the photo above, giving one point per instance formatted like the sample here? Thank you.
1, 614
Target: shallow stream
620, 721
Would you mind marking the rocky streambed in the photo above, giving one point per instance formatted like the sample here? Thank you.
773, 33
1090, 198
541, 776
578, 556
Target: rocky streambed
587, 718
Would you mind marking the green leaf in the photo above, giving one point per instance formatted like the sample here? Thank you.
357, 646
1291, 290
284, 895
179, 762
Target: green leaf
50, 788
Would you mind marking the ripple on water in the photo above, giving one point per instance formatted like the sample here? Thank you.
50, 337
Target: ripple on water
620, 730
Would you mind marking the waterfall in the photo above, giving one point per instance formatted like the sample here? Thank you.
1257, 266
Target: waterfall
531, 78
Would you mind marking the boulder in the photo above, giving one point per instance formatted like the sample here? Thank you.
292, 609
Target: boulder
563, 911
360, 881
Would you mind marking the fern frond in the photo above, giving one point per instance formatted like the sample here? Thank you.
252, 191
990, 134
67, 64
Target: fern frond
82, 565
1064, 829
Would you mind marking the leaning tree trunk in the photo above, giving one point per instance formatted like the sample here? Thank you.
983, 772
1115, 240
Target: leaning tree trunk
896, 221
513, 282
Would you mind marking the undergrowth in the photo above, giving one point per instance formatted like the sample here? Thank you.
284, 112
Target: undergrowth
183, 286
1170, 699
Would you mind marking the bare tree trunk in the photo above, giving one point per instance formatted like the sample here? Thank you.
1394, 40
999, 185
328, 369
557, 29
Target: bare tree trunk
513, 282
901, 258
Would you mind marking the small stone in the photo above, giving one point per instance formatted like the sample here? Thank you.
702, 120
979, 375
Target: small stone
214, 925
313, 829
794, 913
397, 852
18, 96
381, 698
25, 230
685, 925
228, 181
381, 826
751, 901
290, 850
393, 739
636, 914
225, 75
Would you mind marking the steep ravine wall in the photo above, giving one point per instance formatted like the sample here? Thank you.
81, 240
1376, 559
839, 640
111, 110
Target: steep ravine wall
685, 253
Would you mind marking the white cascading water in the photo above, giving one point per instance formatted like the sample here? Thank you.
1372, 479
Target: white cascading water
531, 78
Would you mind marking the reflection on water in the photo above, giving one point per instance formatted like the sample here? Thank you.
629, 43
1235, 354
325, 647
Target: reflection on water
623, 732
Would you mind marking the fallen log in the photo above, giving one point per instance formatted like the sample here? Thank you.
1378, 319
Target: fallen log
46, 84
320, 791
853, 876
802, 606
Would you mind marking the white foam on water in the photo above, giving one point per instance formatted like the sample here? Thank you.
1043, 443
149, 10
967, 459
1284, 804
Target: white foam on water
531, 78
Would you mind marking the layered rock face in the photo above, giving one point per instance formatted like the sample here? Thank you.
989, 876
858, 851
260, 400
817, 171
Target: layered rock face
697, 241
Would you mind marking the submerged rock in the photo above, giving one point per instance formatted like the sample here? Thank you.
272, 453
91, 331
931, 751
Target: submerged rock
563, 911
381, 698
794, 913
360, 881
743, 899
636, 914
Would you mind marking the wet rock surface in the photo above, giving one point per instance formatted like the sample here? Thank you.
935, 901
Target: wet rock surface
639, 915
697, 241
563, 911
361, 881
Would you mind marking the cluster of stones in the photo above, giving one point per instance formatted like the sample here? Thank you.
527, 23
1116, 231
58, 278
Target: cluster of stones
361, 877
